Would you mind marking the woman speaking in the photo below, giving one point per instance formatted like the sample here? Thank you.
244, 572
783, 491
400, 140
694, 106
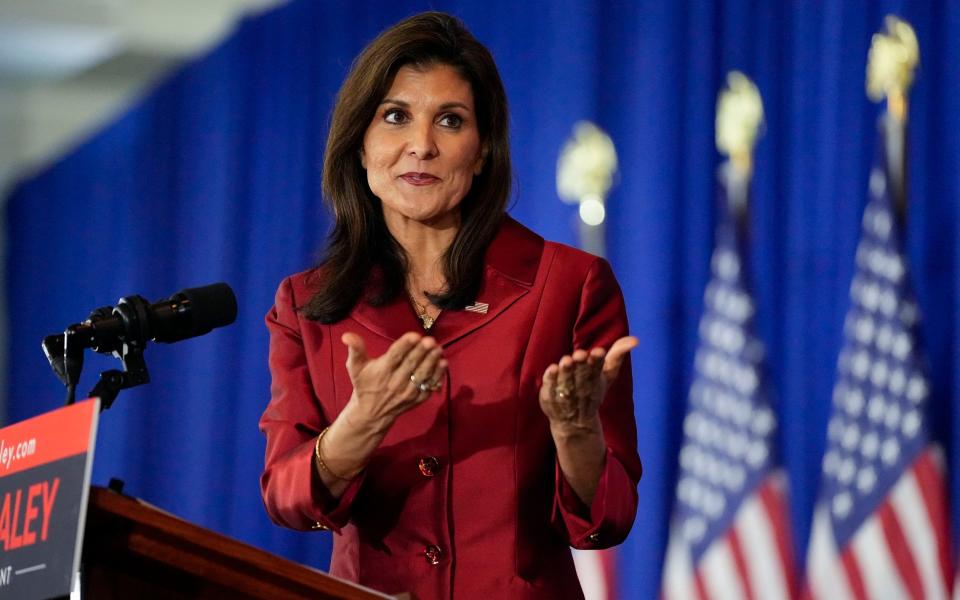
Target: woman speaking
451, 394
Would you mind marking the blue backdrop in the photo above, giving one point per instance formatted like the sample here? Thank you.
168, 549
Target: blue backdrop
215, 176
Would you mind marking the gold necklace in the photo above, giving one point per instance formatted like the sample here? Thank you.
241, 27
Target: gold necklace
421, 311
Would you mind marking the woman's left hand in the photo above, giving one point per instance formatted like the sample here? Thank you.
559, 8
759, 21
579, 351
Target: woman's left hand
573, 389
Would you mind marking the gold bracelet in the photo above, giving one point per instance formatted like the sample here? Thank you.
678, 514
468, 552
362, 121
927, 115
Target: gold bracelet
319, 456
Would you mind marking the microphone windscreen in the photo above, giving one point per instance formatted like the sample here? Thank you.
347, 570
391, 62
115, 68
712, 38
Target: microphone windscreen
211, 306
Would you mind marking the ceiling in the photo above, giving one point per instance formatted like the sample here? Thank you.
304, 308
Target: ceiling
68, 66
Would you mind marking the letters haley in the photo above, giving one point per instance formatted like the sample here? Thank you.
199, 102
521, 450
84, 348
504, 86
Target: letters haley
23, 516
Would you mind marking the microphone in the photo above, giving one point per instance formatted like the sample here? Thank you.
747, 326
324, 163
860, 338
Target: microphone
188, 313
125, 329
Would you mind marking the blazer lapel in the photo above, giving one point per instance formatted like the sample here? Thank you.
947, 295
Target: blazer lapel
511, 267
512, 261
391, 320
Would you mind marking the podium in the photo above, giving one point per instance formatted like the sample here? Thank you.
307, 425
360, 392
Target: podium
133, 550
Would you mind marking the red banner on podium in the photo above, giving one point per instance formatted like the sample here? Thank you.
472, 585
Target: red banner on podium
44, 483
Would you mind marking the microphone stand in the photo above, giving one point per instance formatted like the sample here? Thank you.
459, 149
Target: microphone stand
112, 381
65, 354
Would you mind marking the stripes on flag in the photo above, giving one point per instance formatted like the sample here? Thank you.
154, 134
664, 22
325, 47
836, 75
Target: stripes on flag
880, 524
900, 552
753, 560
730, 533
478, 307
597, 570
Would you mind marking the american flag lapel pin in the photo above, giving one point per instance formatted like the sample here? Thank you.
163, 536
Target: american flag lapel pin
478, 307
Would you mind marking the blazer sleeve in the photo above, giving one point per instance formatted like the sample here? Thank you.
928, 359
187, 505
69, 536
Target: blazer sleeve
293, 493
601, 320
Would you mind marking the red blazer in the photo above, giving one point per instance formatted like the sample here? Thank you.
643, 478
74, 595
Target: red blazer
464, 498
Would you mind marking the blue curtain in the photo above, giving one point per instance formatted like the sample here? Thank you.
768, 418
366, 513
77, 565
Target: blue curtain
215, 176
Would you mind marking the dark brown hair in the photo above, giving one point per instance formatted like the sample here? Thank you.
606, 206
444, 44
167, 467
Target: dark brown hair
360, 249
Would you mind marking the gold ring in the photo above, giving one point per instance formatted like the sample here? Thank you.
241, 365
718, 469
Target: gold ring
562, 391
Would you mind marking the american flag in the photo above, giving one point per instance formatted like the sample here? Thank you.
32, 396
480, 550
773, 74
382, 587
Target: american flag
730, 535
880, 523
597, 571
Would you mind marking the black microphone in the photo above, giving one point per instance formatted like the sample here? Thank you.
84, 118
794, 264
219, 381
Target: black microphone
125, 329
186, 314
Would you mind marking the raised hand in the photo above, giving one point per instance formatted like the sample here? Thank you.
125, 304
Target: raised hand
574, 387
395, 382
383, 388
570, 396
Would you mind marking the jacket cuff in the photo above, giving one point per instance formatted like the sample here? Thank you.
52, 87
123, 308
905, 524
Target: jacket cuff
598, 525
331, 513
296, 497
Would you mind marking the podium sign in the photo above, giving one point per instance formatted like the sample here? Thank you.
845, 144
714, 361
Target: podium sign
44, 483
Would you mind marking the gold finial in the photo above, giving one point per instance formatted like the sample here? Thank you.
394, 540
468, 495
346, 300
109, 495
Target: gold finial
891, 63
739, 118
585, 170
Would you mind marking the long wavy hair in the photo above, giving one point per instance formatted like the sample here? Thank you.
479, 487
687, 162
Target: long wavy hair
361, 254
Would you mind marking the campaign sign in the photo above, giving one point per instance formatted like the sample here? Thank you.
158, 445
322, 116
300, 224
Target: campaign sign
44, 483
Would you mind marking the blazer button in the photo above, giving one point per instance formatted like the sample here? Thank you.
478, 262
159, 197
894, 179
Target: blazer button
429, 466
433, 554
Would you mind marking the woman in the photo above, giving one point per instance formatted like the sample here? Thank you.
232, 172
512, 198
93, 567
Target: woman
451, 394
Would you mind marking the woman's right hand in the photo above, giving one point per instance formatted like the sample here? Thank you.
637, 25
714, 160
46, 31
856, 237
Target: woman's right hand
395, 382
383, 388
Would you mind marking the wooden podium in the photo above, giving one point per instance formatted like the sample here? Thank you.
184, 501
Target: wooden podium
133, 550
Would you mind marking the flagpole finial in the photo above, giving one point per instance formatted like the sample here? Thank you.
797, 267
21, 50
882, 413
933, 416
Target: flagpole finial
739, 119
585, 171
891, 63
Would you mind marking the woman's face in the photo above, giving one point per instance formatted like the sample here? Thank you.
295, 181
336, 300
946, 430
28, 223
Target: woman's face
422, 148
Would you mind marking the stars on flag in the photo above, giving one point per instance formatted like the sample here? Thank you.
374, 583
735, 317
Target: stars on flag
877, 421
727, 429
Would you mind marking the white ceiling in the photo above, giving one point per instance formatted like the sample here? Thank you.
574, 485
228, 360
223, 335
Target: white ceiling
68, 66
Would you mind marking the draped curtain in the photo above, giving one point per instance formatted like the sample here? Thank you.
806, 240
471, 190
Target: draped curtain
214, 176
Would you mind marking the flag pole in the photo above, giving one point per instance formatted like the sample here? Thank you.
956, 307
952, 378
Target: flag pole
891, 64
586, 170
730, 531
881, 394
739, 122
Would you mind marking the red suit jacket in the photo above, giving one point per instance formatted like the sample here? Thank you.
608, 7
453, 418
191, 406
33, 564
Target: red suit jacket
464, 498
